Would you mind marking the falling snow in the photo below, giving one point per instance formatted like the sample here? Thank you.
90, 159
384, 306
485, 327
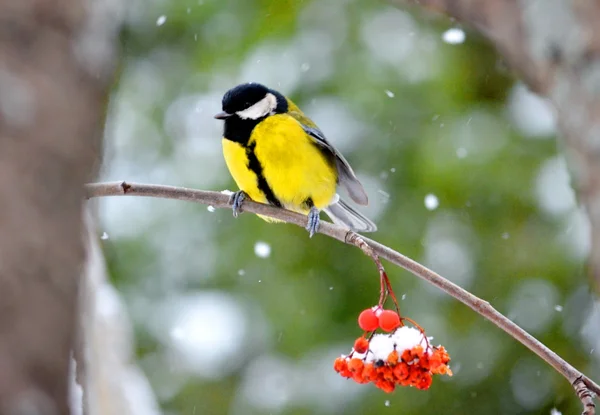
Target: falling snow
453, 36
431, 202
385, 195
104, 236
210, 208
389, 93
558, 308
161, 20
262, 249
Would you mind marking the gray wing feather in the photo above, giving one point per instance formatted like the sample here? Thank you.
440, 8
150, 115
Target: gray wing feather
346, 175
342, 214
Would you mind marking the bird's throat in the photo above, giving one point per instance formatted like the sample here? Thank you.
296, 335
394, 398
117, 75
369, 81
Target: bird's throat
239, 130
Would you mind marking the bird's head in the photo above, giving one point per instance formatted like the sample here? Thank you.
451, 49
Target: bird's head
252, 101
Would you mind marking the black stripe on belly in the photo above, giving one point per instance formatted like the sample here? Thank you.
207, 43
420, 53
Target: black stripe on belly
256, 167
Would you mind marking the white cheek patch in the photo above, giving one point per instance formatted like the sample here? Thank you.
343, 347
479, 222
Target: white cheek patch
260, 109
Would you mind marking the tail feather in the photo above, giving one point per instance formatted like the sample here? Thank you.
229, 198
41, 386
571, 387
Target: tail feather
342, 214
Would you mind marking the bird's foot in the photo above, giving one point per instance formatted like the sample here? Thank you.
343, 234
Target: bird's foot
313, 221
236, 200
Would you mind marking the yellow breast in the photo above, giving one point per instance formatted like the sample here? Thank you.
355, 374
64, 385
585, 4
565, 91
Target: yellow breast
236, 159
295, 169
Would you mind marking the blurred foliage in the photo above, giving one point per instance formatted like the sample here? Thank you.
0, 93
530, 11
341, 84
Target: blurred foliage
415, 116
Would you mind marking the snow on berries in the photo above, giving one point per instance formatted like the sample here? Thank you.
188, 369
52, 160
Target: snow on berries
403, 358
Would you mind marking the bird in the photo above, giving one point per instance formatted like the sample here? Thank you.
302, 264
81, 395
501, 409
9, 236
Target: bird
278, 156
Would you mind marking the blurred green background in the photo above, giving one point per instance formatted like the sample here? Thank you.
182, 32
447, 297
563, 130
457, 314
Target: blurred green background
461, 163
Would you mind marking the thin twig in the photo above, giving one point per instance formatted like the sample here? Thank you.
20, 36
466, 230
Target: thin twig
352, 238
584, 386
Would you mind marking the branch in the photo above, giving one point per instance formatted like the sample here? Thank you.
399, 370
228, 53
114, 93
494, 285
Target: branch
579, 381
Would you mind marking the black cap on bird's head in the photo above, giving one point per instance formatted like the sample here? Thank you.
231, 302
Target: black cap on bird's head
252, 101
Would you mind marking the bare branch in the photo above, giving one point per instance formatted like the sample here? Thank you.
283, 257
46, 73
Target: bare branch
584, 386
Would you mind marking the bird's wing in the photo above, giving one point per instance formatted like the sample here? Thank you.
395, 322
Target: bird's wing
346, 175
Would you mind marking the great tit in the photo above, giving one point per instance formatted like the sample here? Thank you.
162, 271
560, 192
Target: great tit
277, 155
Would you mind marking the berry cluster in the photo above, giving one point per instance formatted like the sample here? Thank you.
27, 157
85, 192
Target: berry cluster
402, 358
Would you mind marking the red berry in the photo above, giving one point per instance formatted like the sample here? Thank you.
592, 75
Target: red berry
389, 320
367, 320
361, 345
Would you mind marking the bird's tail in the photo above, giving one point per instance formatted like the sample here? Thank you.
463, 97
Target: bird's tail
342, 214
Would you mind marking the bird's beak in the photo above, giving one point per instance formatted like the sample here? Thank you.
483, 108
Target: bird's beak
222, 115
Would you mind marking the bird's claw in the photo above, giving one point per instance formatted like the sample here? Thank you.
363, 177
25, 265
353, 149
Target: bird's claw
236, 200
313, 221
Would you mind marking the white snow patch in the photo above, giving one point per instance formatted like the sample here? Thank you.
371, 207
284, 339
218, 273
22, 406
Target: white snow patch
431, 202
381, 345
454, 36
262, 249
161, 20
75, 389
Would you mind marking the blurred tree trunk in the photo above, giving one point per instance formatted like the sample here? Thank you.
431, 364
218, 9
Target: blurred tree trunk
112, 383
55, 67
554, 46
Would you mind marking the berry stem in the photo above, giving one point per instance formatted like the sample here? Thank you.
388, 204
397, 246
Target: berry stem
390, 291
384, 281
